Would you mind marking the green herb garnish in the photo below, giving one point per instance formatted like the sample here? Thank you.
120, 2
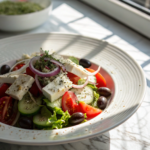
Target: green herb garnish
18, 8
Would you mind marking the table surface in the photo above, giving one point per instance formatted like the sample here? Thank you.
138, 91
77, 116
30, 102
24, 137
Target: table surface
77, 17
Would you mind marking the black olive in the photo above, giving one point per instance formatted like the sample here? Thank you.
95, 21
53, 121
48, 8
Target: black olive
76, 118
4, 69
102, 102
25, 122
85, 63
104, 91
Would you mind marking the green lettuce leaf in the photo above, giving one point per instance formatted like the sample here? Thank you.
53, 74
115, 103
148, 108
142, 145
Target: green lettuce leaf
75, 60
84, 118
58, 119
58, 110
96, 96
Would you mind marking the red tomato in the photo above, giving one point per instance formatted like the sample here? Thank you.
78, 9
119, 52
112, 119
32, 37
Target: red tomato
6, 105
90, 111
73, 77
69, 102
8, 110
13, 114
29, 72
17, 67
3, 89
35, 90
2, 104
101, 82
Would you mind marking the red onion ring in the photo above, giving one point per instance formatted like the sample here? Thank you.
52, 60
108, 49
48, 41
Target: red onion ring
94, 73
57, 63
37, 83
81, 86
47, 67
42, 74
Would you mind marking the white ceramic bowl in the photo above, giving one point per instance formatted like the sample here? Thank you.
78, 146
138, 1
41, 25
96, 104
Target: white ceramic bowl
16, 23
123, 76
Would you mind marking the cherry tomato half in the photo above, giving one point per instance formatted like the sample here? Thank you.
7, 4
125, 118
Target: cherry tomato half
90, 111
101, 82
17, 67
69, 102
8, 110
29, 72
35, 90
73, 77
3, 89
6, 106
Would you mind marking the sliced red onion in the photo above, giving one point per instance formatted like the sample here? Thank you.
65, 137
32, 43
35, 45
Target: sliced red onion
57, 63
81, 86
47, 67
39, 73
37, 83
94, 73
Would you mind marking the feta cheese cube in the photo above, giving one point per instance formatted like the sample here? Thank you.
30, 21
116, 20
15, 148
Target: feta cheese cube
57, 88
8, 78
71, 66
20, 86
76, 69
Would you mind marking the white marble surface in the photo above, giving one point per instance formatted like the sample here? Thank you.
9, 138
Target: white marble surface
74, 16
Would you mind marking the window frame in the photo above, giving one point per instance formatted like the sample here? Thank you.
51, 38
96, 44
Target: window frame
124, 13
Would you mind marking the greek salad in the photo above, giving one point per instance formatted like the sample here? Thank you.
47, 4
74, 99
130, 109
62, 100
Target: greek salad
48, 91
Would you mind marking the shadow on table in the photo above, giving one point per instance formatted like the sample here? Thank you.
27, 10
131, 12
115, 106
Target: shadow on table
101, 142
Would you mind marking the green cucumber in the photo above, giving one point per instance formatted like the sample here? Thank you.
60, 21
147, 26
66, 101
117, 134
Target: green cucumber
85, 94
92, 79
28, 107
41, 121
56, 103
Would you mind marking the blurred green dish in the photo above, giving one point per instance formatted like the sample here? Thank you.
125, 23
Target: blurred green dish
18, 8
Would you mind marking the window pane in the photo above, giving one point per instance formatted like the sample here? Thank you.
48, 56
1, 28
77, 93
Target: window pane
143, 5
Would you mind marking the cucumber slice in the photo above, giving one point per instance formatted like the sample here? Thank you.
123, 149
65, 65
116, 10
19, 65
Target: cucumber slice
56, 103
28, 107
90, 78
85, 94
41, 121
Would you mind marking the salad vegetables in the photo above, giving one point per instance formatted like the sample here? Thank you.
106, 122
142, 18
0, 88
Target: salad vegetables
48, 91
